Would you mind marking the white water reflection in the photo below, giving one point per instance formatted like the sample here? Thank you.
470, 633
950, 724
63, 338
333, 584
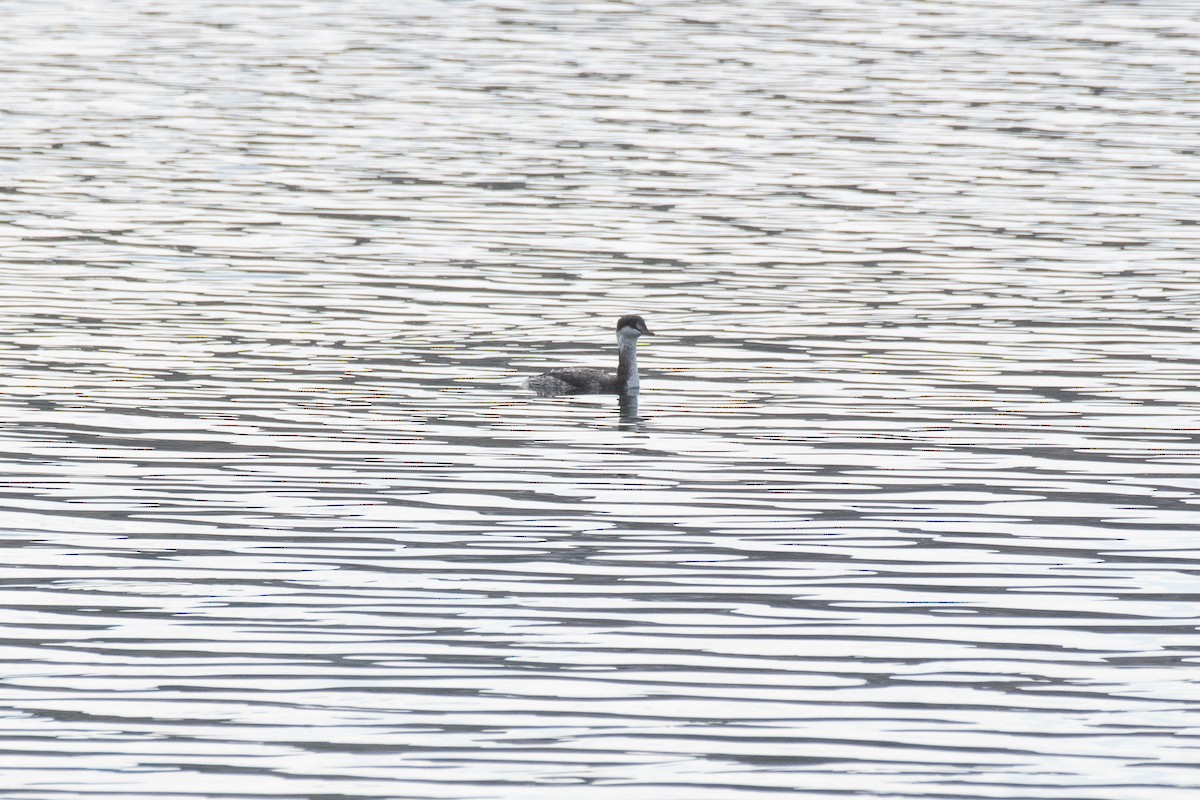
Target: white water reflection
908, 502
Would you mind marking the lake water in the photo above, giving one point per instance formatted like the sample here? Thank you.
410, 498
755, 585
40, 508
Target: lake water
909, 506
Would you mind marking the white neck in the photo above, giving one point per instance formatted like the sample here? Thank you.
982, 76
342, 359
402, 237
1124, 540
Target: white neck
627, 359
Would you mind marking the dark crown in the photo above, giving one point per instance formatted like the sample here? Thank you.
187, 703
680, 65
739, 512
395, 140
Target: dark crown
633, 321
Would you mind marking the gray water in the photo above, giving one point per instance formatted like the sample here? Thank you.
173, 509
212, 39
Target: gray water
909, 505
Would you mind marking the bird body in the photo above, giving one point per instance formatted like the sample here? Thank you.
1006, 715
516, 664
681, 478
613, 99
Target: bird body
588, 380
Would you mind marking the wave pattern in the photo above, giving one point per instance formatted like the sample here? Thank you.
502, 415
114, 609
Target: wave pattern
907, 507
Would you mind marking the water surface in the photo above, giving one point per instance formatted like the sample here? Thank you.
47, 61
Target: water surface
907, 506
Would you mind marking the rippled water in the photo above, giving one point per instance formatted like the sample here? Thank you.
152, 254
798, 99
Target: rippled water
908, 506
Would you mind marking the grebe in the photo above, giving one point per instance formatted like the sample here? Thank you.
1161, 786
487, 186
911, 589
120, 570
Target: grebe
587, 380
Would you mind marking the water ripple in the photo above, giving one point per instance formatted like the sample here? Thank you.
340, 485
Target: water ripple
906, 507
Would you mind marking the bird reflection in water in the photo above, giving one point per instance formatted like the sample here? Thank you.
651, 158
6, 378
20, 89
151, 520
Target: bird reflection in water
628, 408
